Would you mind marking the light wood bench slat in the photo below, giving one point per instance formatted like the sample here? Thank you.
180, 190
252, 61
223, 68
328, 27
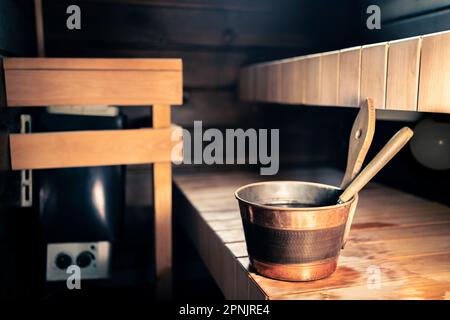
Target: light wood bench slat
406, 236
90, 148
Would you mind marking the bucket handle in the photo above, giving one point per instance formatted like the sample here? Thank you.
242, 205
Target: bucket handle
348, 224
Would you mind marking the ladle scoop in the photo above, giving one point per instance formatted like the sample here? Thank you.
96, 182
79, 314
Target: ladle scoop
394, 145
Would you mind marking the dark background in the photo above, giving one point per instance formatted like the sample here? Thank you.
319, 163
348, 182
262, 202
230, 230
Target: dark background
215, 39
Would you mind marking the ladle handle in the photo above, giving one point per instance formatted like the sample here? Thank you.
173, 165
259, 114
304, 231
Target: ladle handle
360, 140
393, 146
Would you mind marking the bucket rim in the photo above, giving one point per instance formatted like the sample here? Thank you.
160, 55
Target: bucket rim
337, 205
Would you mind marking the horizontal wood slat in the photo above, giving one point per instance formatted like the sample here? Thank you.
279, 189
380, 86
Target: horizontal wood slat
93, 64
387, 72
47, 87
92, 148
42, 82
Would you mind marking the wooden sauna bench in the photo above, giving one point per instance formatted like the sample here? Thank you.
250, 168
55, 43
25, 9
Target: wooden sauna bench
407, 237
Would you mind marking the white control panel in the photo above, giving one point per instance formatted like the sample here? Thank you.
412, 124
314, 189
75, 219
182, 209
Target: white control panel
93, 259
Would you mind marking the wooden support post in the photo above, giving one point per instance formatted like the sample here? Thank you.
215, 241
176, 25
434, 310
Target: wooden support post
162, 190
39, 28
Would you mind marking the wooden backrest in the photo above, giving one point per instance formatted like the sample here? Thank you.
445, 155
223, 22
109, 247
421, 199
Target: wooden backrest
127, 82
61, 81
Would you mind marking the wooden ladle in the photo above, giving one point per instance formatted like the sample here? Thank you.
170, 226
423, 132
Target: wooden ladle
394, 145
360, 140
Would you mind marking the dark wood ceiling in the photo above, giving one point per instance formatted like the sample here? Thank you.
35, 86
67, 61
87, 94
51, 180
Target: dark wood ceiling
260, 28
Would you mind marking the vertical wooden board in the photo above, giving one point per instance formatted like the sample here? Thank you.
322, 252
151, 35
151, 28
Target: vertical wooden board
261, 82
434, 83
287, 81
403, 74
267, 73
311, 80
373, 73
39, 26
275, 82
162, 177
329, 79
162, 193
349, 77
298, 84
264, 82
269, 82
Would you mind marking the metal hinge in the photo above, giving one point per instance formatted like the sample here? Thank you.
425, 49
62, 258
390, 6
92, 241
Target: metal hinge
26, 176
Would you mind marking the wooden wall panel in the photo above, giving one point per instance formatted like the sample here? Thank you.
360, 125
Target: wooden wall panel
90, 148
287, 81
299, 77
403, 74
311, 80
274, 83
434, 83
329, 79
373, 73
349, 77
261, 82
270, 81
411, 74
266, 81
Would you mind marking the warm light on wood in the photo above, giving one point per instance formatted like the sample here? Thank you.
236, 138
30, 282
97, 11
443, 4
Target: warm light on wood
410, 74
57, 82
90, 148
407, 236
403, 74
312, 80
329, 79
434, 83
373, 74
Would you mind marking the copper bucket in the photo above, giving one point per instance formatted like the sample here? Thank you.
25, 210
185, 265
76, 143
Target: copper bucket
294, 230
